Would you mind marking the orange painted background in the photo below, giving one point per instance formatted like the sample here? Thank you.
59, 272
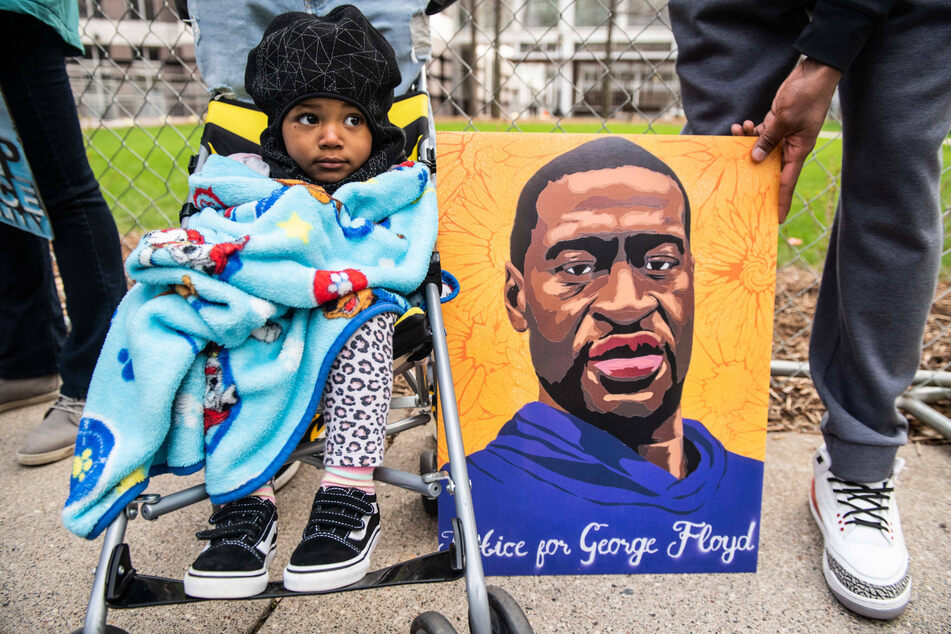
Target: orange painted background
733, 238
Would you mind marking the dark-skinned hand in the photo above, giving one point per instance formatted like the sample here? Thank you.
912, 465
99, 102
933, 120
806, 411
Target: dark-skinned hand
794, 121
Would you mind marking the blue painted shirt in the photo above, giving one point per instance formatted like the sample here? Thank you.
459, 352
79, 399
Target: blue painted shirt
556, 495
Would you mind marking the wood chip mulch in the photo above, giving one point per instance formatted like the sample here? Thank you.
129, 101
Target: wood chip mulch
793, 402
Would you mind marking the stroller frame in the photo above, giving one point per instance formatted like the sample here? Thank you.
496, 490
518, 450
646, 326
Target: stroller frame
117, 584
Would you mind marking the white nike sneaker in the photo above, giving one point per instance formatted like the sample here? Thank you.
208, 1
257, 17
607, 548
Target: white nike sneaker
865, 560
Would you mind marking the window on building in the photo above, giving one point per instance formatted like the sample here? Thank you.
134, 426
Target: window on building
143, 9
641, 12
592, 12
483, 13
541, 13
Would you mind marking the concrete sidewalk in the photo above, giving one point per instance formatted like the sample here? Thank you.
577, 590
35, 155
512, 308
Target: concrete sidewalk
46, 572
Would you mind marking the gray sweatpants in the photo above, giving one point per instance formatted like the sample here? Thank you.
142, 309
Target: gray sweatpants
880, 272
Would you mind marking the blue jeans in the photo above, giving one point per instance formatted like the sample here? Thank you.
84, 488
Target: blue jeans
33, 336
226, 30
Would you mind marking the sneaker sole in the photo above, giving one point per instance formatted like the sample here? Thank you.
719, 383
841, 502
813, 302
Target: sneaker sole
883, 610
32, 400
35, 459
227, 585
285, 476
224, 586
329, 576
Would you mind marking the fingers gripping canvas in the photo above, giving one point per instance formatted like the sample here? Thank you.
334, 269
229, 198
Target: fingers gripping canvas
610, 347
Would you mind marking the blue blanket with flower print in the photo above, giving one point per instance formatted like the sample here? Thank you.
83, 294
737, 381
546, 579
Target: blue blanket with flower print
217, 357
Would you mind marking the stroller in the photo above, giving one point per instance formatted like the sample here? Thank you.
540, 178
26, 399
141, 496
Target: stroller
420, 356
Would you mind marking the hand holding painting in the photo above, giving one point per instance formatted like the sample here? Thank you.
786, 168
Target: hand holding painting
795, 120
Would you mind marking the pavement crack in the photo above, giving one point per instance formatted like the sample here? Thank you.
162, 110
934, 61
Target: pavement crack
265, 615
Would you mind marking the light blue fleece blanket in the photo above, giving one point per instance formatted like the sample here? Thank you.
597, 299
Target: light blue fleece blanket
217, 357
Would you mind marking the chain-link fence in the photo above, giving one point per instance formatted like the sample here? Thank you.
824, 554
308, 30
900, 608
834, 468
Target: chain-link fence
530, 65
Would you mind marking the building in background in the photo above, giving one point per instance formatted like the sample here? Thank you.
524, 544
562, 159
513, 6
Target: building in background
598, 58
139, 62
492, 58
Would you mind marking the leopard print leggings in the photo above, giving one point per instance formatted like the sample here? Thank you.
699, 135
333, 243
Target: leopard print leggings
357, 394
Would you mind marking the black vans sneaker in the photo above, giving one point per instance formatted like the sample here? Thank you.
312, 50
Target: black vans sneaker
338, 540
241, 545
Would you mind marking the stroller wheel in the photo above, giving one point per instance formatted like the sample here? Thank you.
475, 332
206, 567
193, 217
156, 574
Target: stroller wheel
507, 617
431, 623
427, 464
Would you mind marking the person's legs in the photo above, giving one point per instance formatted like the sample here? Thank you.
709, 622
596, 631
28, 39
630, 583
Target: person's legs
344, 520
357, 396
86, 242
227, 30
404, 24
32, 329
731, 57
881, 268
879, 278
877, 289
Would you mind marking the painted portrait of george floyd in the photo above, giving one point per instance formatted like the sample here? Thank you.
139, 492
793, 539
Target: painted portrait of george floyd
610, 347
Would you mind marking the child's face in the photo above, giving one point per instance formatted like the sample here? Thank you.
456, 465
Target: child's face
328, 138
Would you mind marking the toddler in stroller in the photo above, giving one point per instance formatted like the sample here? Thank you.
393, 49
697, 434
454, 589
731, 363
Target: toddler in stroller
326, 85
294, 262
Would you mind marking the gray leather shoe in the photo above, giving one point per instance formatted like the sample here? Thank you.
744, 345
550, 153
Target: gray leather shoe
16, 393
54, 438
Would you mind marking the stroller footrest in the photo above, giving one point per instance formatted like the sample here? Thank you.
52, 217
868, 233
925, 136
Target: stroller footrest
146, 590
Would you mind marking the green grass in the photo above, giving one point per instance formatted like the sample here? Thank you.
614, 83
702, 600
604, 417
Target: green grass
142, 172
814, 202
804, 234
142, 175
